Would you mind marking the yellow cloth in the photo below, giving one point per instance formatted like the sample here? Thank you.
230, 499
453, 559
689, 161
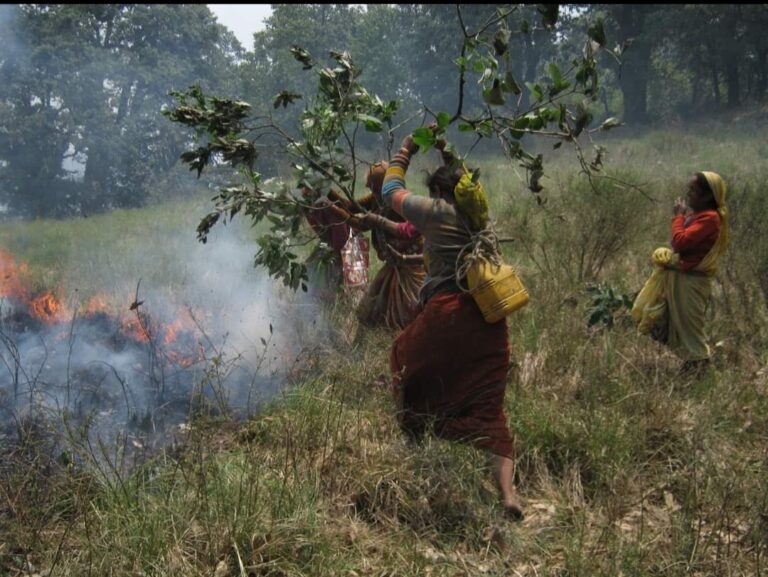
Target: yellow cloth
678, 299
650, 306
687, 298
472, 201
710, 263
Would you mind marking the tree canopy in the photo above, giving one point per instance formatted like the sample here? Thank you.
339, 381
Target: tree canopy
82, 87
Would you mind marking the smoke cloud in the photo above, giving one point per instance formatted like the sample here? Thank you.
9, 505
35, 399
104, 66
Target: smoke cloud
223, 338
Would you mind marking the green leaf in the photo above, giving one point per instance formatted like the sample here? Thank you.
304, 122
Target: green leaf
509, 84
501, 41
555, 74
560, 83
534, 185
372, 124
424, 137
536, 92
302, 56
443, 120
484, 128
463, 127
621, 48
494, 95
583, 118
597, 162
596, 316
536, 120
549, 14
611, 122
285, 98
548, 114
522, 122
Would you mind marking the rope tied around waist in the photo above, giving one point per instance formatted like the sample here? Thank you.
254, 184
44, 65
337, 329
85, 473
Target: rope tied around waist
483, 245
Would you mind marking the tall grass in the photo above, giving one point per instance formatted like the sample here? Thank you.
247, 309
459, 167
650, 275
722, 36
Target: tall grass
626, 467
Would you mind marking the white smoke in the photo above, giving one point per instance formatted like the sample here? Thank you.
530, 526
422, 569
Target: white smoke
249, 334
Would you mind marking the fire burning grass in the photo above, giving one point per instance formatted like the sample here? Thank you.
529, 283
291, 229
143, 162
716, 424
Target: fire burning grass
28, 311
136, 363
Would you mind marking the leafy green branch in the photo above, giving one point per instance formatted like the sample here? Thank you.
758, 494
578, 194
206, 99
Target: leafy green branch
558, 109
324, 152
324, 149
606, 305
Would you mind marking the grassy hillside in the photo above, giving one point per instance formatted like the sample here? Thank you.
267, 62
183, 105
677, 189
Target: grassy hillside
626, 467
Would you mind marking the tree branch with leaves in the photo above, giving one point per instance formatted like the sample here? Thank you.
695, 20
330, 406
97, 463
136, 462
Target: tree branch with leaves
324, 148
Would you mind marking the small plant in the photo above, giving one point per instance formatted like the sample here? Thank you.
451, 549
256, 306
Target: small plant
605, 305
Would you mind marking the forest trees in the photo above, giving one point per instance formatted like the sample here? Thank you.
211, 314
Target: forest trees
82, 86
720, 51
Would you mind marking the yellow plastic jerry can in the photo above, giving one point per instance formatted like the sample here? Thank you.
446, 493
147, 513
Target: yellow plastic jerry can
497, 289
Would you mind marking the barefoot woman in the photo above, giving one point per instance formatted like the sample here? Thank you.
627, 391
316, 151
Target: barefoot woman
450, 366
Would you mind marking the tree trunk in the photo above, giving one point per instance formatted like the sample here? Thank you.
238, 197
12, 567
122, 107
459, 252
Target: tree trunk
762, 75
125, 94
633, 76
530, 59
696, 84
733, 84
715, 75
733, 54
732, 80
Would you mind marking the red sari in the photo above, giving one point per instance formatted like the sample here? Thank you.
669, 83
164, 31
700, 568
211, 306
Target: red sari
450, 371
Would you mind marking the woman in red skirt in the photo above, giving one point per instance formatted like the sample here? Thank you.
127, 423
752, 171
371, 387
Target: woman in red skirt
450, 366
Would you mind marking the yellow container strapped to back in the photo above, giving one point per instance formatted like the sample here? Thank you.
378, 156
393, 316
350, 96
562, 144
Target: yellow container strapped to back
497, 289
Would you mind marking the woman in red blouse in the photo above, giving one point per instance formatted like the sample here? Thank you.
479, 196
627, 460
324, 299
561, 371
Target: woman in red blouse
673, 303
695, 227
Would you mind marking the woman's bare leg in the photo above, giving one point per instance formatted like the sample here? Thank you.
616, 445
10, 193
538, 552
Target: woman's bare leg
505, 472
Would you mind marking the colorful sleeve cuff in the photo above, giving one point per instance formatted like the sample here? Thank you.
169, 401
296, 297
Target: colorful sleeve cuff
393, 191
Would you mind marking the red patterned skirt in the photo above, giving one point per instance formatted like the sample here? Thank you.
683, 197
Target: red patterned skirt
450, 372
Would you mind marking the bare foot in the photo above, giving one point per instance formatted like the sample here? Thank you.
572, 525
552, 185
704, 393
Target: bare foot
513, 507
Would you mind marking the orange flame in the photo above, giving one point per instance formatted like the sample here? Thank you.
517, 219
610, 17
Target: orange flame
139, 327
10, 277
172, 331
185, 361
97, 304
137, 330
47, 308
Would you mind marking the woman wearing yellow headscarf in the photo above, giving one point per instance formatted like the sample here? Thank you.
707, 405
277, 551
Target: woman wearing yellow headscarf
450, 366
672, 305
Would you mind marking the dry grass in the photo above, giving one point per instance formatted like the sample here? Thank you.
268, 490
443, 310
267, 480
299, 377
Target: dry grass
626, 467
